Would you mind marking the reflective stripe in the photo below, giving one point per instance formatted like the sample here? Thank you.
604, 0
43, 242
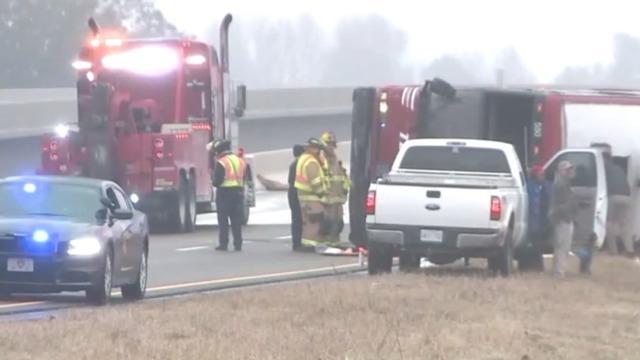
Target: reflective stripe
312, 189
234, 170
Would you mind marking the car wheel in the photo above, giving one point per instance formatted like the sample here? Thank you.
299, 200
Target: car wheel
137, 290
380, 259
100, 292
409, 262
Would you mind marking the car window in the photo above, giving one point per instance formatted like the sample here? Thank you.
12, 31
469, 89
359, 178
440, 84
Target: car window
111, 194
41, 198
585, 168
455, 158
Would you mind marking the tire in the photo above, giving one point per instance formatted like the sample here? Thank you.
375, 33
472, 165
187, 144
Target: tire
100, 292
531, 261
380, 259
191, 206
409, 262
178, 208
503, 261
137, 290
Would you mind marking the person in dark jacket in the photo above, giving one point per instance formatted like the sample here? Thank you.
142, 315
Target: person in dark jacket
539, 191
294, 203
562, 214
618, 206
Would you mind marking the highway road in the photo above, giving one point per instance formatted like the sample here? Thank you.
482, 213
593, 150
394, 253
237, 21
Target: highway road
187, 263
19, 156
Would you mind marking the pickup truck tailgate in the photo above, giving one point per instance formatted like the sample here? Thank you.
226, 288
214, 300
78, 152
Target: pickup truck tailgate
453, 207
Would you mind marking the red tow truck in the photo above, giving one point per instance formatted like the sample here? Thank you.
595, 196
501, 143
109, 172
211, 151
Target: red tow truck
543, 123
147, 108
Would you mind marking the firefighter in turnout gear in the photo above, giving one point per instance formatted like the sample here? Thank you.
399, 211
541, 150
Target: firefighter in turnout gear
228, 178
337, 189
310, 184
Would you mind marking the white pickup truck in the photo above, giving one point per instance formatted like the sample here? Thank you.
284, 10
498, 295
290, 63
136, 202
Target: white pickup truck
445, 199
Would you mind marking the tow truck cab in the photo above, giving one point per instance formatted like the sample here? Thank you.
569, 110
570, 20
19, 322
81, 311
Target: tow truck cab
146, 110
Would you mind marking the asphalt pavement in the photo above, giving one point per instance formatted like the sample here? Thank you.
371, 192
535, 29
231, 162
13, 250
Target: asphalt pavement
187, 262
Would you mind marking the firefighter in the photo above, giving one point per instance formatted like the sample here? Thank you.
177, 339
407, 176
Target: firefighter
228, 178
310, 184
337, 189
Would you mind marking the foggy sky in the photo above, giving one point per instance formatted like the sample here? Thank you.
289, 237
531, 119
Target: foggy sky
549, 35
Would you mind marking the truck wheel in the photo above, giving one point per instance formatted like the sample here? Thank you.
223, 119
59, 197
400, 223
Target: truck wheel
504, 258
380, 259
177, 208
100, 292
409, 262
191, 211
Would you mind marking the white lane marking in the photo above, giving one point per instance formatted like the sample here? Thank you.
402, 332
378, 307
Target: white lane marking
192, 248
284, 237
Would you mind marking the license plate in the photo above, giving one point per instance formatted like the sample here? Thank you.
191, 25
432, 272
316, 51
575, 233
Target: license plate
20, 265
431, 236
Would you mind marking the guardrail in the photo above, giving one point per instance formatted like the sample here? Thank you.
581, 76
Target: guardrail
32, 112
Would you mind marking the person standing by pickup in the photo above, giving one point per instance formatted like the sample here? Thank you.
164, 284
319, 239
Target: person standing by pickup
562, 214
618, 210
539, 192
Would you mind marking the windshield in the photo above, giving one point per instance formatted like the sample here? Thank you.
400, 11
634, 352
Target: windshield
454, 158
65, 201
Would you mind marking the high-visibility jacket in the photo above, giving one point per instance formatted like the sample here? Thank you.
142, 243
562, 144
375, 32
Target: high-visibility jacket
310, 178
234, 170
338, 182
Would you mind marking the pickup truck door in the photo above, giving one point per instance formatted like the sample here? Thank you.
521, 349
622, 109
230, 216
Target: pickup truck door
590, 186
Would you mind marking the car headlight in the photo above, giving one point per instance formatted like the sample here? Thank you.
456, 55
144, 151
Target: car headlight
84, 246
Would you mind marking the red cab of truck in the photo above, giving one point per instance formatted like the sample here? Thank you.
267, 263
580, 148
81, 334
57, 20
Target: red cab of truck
147, 108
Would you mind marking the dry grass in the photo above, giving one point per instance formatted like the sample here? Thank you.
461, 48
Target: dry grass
461, 314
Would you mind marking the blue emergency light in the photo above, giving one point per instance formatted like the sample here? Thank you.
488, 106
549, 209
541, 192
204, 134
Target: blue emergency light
29, 188
40, 236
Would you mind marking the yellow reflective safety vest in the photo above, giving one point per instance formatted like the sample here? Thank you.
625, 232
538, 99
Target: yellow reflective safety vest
338, 182
310, 178
234, 170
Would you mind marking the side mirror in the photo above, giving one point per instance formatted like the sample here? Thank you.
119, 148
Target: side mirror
122, 214
241, 100
106, 203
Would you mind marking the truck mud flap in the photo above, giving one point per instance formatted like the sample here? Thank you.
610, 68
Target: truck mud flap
361, 122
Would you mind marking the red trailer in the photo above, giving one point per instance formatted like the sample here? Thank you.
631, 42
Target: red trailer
146, 110
538, 121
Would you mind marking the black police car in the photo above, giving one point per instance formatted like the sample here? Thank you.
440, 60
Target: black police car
71, 234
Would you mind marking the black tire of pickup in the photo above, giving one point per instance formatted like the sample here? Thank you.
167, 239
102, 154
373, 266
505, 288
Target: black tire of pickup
409, 262
503, 261
380, 259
